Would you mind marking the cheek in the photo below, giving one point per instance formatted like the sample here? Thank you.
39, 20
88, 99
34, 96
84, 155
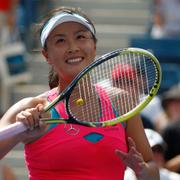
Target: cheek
55, 55
91, 51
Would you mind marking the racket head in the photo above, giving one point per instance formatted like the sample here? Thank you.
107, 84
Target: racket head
139, 80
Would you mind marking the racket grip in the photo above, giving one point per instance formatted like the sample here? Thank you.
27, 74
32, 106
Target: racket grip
12, 130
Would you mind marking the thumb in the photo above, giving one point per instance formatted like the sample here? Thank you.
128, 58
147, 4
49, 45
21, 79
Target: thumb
121, 154
40, 100
43, 114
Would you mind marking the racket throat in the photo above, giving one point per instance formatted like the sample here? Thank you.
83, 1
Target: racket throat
71, 120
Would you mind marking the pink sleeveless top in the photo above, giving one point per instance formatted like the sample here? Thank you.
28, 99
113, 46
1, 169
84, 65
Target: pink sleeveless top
66, 152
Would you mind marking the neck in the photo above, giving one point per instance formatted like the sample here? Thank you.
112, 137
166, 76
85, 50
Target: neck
63, 84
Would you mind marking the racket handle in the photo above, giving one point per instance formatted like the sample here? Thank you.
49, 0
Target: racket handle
12, 130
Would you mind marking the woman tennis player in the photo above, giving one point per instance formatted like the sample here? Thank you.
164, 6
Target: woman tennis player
73, 151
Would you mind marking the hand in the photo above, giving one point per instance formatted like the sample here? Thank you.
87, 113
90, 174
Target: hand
133, 158
31, 118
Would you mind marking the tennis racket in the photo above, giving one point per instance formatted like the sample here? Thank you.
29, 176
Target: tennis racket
127, 78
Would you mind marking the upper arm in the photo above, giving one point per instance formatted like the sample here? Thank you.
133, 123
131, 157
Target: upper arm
135, 130
10, 116
7, 172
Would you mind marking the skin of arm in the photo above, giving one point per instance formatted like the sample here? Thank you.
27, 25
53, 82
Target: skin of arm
158, 16
173, 164
10, 117
139, 157
7, 173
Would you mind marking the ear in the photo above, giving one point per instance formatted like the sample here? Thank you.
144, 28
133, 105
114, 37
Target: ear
45, 54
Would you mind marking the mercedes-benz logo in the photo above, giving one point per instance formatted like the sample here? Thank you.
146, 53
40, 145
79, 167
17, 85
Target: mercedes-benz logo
71, 130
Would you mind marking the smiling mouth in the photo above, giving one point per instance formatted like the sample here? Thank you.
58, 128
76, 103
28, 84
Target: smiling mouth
74, 60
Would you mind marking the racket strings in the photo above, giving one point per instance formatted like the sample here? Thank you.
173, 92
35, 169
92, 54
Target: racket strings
126, 84
83, 102
133, 78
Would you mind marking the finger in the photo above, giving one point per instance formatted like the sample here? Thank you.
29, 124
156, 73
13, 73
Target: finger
142, 164
121, 154
136, 155
36, 115
133, 152
21, 118
40, 108
36, 118
29, 118
42, 114
131, 143
139, 159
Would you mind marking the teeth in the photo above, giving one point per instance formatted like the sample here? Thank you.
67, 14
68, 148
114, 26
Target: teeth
74, 60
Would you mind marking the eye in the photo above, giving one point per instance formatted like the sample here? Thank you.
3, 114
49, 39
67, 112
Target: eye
81, 36
60, 40
84, 35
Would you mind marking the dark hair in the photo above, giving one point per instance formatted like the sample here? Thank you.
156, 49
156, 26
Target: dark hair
53, 77
173, 93
159, 149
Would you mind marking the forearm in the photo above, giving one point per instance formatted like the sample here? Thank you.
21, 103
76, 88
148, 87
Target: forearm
173, 164
9, 118
8, 144
149, 171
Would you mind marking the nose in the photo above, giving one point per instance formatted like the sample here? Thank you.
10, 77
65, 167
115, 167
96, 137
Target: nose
72, 46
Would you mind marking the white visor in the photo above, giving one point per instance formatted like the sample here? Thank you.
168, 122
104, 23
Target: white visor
61, 18
154, 137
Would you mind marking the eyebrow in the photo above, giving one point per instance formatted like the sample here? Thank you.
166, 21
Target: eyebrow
59, 35
83, 30
63, 35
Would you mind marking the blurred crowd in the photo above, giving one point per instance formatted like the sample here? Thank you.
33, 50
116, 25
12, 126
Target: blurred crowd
161, 119
17, 19
8, 22
165, 112
166, 22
